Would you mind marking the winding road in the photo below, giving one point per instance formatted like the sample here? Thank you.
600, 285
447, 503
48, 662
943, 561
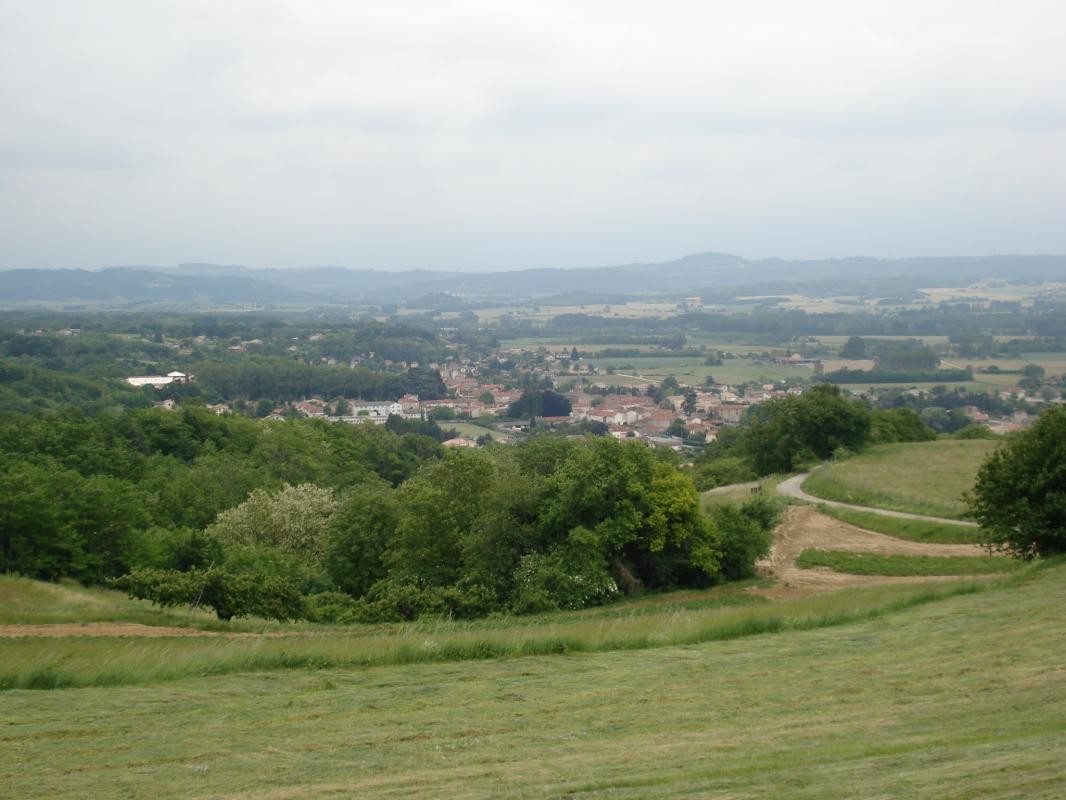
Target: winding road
793, 487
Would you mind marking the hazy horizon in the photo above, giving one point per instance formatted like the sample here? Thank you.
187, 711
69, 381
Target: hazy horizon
478, 136
518, 267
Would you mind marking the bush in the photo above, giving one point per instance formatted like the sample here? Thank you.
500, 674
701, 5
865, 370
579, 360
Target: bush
230, 594
746, 535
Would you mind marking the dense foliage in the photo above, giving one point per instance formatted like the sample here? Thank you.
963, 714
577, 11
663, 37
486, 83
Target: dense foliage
1020, 494
379, 521
90, 497
785, 432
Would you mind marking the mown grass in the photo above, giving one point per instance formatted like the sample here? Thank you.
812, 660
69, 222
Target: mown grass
51, 663
955, 699
920, 478
915, 530
899, 565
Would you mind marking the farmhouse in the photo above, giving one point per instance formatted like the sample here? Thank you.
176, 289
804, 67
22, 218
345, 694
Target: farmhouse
158, 380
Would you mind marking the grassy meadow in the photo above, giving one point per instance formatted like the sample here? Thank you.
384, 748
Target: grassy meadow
915, 530
904, 565
920, 477
32, 662
958, 698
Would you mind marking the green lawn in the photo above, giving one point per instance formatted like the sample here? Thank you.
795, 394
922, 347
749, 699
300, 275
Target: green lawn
960, 698
899, 565
915, 530
921, 477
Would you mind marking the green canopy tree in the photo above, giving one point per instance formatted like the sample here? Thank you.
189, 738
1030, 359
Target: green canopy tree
785, 432
294, 520
1019, 497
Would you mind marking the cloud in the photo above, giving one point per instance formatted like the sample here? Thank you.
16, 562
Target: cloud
479, 134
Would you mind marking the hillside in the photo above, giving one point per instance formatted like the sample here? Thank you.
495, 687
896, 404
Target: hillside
957, 698
716, 275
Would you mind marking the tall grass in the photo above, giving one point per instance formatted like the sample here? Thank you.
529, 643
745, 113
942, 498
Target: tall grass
39, 663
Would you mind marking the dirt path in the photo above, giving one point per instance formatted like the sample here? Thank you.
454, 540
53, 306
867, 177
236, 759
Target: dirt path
793, 488
100, 629
803, 527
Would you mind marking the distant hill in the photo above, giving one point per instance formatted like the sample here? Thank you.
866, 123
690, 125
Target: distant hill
123, 286
711, 275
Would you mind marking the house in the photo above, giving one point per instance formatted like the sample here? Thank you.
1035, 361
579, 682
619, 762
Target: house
158, 380
730, 412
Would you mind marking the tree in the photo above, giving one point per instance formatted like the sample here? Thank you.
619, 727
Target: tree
855, 348
359, 532
785, 432
535, 403
230, 594
293, 520
1019, 497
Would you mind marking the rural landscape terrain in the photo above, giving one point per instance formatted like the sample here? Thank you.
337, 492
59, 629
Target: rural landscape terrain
657, 544
586, 401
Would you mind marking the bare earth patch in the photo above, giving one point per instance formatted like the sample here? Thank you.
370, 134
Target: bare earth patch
803, 527
100, 629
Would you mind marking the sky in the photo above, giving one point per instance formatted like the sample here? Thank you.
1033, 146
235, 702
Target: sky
503, 134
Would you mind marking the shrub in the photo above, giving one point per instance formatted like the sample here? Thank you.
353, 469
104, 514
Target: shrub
230, 594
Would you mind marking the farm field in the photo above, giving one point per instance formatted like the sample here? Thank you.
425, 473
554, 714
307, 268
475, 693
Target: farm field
956, 698
694, 370
921, 478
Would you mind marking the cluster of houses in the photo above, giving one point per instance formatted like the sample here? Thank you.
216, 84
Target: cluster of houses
702, 412
707, 411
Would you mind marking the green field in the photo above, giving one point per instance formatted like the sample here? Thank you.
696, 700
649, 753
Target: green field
958, 698
921, 477
648, 622
900, 565
693, 371
471, 431
916, 530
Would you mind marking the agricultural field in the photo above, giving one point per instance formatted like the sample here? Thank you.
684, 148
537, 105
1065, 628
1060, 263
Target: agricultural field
921, 477
694, 371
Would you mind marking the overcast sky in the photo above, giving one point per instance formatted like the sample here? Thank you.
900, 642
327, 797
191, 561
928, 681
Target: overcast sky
500, 134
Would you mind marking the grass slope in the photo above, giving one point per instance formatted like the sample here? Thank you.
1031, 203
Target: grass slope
920, 477
956, 699
56, 663
900, 565
915, 530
